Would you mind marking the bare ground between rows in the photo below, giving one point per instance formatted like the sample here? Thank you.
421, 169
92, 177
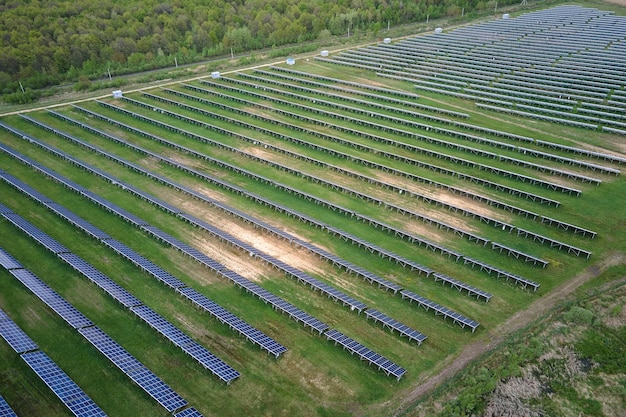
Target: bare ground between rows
495, 337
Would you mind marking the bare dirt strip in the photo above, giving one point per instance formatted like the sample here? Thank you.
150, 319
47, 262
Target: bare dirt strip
496, 336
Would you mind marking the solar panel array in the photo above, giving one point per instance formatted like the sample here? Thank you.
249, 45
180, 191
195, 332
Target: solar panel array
403, 329
564, 65
218, 367
208, 360
320, 252
134, 369
318, 99
186, 343
72, 396
291, 271
367, 162
440, 310
295, 313
121, 295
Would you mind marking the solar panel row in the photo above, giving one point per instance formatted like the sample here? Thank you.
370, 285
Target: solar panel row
53, 300
134, 369
14, 336
80, 405
366, 354
62, 385
393, 324
211, 362
72, 396
440, 310
233, 321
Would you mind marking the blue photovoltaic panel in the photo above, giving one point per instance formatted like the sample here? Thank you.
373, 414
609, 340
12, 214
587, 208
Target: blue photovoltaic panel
188, 412
440, 310
167, 329
26, 189
7, 411
135, 370
144, 263
223, 315
4, 209
78, 221
157, 389
186, 343
7, 261
111, 349
62, 385
15, 337
366, 353
101, 280
45, 240
395, 325
53, 300
218, 367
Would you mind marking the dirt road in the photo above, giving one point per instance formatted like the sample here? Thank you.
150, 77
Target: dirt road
521, 319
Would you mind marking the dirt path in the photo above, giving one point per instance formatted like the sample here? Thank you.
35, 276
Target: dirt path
499, 334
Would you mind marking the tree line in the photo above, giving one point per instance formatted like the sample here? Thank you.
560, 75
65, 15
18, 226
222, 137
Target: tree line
47, 43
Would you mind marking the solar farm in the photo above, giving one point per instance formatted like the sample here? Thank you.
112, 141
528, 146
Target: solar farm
308, 239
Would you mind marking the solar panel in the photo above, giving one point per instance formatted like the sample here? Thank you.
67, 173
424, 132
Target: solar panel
35, 233
62, 385
144, 263
188, 412
440, 310
53, 300
14, 336
233, 321
157, 389
393, 324
186, 343
5, 409
26, 189
4, 209
101, 280
78, 221
7, 261
111, 349
354, 347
